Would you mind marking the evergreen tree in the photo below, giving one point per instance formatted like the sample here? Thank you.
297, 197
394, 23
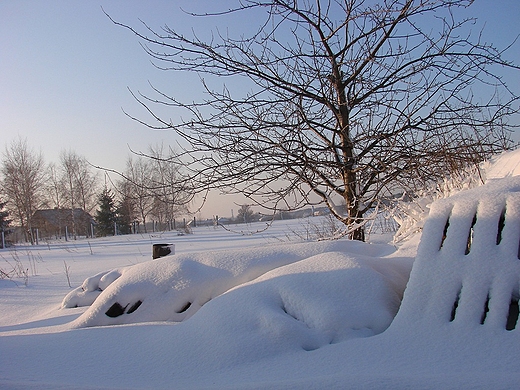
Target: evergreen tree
106, 214
124, 213
4, 222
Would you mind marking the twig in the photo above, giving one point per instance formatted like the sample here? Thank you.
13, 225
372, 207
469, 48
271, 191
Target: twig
67, 272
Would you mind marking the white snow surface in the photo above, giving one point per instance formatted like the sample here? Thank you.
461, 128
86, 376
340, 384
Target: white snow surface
268, 311
506, 164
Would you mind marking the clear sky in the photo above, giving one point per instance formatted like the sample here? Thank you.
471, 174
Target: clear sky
65, 70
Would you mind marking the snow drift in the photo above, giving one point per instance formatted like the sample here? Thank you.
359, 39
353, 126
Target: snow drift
173, 288
290, 316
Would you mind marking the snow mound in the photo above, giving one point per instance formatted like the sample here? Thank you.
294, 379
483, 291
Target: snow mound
504, 165
321, 300
87, 293
173, 288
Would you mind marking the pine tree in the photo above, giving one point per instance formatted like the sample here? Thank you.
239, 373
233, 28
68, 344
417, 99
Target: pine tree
106, 214
4, 222
124, 214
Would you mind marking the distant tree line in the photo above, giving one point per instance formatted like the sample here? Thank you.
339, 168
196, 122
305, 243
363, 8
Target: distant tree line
28, 184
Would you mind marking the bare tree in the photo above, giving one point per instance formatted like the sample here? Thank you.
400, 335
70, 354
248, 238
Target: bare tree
136, 185
23, 172
245, 213
347, 100
87, 184
79, 184
55, 187
171, 194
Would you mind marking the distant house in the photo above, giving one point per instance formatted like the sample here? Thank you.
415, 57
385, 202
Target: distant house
55, 223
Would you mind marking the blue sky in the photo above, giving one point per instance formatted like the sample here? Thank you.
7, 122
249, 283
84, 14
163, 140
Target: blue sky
65, 70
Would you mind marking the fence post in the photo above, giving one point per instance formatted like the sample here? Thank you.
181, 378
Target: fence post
161, 250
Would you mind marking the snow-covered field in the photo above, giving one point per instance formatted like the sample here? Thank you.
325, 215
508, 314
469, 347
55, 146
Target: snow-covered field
270, 311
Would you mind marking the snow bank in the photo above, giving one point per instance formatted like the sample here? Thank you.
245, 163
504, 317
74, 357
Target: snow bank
504, 165
324, 299
338, 291
173, 288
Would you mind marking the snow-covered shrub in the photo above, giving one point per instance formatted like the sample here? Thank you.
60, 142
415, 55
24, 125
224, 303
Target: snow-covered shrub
411, 210
317, 229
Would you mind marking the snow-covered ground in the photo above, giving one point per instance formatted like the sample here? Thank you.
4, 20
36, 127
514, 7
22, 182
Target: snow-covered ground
270, 311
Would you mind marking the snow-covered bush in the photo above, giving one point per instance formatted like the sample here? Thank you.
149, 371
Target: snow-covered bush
411, 210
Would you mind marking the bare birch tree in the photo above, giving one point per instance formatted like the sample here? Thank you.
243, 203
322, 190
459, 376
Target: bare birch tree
23, 172
171, 194
79, 184
349, 100
55, 187
137, 184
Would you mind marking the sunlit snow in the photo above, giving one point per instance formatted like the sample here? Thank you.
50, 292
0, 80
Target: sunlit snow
268, 311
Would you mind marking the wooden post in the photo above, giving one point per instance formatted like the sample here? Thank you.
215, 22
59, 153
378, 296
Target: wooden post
161, 250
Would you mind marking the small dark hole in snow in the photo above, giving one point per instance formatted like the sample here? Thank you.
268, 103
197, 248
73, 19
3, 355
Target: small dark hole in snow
184, 308
470, 235
512, 317
445, 232
454, 309
134, 307
290, 314
501, 224
484, 313
115, 310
